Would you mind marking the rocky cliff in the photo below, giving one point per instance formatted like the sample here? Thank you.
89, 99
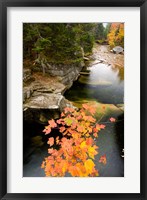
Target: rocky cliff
44, 87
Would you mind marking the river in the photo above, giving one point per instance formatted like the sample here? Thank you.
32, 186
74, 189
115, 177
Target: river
104, 83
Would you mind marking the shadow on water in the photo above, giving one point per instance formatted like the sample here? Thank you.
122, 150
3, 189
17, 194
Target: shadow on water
119, 128
35, 148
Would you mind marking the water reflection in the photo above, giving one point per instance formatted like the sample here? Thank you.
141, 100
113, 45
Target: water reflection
104, 84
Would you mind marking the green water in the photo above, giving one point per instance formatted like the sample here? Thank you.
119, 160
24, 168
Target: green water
104, 84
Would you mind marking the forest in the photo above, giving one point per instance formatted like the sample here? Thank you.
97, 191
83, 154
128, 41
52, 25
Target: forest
65, 43
73, 99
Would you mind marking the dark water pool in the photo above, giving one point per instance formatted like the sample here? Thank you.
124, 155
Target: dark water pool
110, 142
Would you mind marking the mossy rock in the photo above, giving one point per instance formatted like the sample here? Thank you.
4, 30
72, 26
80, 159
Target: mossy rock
85, 80
104, 111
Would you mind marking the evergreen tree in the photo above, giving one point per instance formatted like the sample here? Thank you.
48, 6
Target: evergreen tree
57, 42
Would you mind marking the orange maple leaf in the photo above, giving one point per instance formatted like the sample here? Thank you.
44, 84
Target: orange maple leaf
89, 141
68, 109
52, 123
62, 114
112, 119
80, 128
103, 159
62, 129
95, 135
51, 141
47, 130
102, 126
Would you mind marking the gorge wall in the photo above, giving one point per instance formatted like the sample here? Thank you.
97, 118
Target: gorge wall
43, 90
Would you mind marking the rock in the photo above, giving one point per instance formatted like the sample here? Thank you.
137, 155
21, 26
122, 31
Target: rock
85, 58
121, 106
43, 107
27, 75
85, 73
27, 92
66, 103
65, 73
44, 101
37, 88
96, 62
101, 60
118, 50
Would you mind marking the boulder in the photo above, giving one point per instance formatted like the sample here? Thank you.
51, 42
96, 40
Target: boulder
117, 50
44, 101
45, 106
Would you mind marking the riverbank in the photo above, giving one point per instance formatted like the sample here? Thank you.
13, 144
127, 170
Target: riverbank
103, 53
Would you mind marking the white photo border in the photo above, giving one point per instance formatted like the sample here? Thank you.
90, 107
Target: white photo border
130, 183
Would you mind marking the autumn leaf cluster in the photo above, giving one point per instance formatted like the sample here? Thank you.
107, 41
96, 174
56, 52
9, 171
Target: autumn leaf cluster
73, 153
116, 35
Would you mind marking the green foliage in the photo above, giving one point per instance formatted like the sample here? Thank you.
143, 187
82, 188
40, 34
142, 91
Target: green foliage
107, 30
62, 42
100, 32
58, 42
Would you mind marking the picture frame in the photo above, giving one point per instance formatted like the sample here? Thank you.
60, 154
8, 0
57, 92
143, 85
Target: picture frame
4, 108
